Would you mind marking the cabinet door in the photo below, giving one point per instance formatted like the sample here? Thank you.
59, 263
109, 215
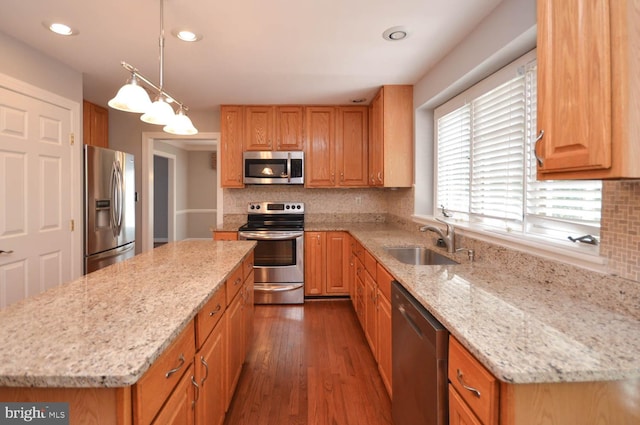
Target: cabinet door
95, 123
234, 347
574, 85
231, 127
258, 134
459, 412
178, 409
289, 128
320, 147
370, 313
210, 370
360, 295
247, 313
314, 262
337, 265
384, 340
376, 146
352, 136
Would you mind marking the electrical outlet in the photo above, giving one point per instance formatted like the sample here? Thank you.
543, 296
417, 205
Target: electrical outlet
358, 200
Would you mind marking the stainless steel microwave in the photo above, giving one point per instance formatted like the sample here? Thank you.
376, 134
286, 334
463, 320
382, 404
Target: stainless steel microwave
273, 167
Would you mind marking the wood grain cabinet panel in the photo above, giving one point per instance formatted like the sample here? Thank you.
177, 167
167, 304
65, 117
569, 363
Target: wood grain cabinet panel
95, 123
588, 89
320, 168
210, 368
231, 139
326, 256
179, 408
289, 125
391, 141
352, 138
258, 133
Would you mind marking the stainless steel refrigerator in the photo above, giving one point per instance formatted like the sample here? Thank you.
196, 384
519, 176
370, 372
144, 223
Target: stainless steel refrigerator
109, 203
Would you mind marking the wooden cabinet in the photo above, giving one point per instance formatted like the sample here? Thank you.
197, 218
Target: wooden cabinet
391, 140
235, 347
588, 89
370, 312
225, 236
95, 123
383, 280
476, 387
258, 125
247, 313
270, 128
179, 408
336, 149
459, 412
326, 263
210, 370
157, 384
231, 137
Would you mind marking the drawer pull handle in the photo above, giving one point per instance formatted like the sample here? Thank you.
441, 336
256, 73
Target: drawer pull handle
197, 390
474, 391
535, 151
238, 280
174, 370
206, 369
214, 312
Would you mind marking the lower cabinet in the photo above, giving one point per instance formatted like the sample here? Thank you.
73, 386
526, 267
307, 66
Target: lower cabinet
383, 279
178, 410
210, 370
220, 235
326, 259
235, 347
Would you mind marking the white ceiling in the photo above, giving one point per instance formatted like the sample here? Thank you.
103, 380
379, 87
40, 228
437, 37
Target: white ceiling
252, 51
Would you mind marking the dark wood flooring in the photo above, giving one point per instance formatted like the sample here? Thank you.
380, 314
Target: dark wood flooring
309, 365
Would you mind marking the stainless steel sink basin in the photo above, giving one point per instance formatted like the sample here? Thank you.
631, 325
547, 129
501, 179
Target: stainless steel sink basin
418, 256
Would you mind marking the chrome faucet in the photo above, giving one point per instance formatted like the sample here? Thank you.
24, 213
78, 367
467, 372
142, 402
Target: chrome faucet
448, 238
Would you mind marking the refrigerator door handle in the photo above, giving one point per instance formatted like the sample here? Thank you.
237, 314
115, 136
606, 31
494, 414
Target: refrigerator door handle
120, 197
116, 199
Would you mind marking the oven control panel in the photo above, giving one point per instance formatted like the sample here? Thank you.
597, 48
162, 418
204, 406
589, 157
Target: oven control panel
275, 207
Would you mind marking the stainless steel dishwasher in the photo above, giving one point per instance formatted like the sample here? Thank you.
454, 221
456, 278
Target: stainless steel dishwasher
419, 353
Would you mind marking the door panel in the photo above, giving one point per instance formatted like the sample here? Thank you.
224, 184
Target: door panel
35, 200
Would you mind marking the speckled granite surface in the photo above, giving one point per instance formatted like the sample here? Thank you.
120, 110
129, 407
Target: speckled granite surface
524, 324
106, 328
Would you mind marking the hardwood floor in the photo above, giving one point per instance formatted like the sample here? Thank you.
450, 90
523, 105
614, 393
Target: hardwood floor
309, 365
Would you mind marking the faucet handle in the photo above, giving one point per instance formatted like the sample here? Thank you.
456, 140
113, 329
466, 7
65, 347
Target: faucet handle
450, 228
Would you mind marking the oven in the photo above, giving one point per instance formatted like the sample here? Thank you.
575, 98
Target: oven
278, 229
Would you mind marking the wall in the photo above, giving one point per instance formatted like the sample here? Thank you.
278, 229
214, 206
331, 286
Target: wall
160, 199
201, 195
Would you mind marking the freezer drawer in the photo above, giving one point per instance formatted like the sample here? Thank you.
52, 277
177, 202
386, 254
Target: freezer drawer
112, 256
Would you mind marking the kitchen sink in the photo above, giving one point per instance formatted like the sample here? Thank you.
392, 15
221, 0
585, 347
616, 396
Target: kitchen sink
417, 256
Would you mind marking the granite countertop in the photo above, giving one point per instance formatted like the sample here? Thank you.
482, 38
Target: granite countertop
106, 328
524, 325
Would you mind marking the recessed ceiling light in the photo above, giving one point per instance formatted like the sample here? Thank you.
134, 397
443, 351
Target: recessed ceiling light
186, 35
359, 100
395, 34
60, 28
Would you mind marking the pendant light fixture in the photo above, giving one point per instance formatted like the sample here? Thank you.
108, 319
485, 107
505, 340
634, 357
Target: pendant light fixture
132, 97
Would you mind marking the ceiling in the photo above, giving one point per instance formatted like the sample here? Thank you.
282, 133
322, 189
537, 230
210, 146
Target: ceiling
252, 51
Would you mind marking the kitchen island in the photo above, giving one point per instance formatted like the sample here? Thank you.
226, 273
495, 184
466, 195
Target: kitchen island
92, 339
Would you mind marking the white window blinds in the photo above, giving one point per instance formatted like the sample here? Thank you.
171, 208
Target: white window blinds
486, 171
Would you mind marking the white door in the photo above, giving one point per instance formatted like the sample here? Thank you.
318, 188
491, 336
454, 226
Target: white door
35, 196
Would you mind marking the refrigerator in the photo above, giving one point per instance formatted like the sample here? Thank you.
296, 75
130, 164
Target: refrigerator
109, 205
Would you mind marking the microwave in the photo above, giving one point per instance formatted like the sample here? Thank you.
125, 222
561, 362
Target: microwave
273, 167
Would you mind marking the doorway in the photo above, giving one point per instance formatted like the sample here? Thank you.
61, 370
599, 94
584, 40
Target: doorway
151, 145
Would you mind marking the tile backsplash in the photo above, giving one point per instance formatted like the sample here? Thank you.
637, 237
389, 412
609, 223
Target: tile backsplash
619, 237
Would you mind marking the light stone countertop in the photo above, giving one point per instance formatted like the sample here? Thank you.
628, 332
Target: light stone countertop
525, 326
106, 328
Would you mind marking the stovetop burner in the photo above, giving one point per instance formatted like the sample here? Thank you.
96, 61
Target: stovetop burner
273, 216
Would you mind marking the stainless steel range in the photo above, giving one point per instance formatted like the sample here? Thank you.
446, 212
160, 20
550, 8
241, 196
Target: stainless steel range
278, 228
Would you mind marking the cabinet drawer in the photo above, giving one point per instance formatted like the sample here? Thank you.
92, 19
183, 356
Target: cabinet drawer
210, 315
459, 412
247, 265
384, 279
234, 283
370, 264
475, 384
153, 389
225, 236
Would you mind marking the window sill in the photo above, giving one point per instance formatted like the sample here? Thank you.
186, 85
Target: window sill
553, 251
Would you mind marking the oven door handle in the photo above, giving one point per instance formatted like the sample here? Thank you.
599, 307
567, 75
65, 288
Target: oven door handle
271, 236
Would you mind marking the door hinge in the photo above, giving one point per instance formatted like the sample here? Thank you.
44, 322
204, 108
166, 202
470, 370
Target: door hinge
73, 225
72, 139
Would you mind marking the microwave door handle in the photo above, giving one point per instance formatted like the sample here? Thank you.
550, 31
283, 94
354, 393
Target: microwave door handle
289, 167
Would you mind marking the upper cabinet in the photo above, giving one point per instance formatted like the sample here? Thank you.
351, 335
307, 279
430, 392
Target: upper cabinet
231, 127
95, 123
271, 128
588, 110
336, 149
391, 139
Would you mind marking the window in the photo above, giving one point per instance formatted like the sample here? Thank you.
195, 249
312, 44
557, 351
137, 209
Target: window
486, 171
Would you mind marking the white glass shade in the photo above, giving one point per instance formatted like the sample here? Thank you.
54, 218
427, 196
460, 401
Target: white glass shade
160, 113
131, 98
181, 124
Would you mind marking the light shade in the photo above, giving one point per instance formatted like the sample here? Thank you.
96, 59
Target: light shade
160, 112
131, 97
181, 124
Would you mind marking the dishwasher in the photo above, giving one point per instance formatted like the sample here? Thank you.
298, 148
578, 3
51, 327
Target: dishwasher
419, 368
